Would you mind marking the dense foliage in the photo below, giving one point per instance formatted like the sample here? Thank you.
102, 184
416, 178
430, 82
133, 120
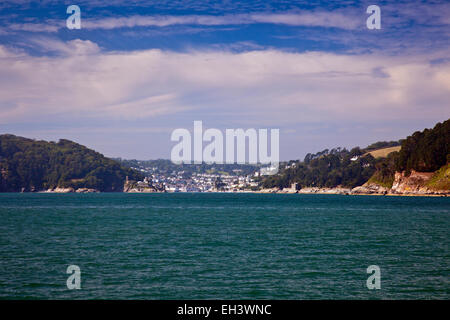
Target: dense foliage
328, 168
29, 165
383, 144
385, 171
423, 151
426, 150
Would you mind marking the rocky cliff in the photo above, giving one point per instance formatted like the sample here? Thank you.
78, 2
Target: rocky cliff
417, 183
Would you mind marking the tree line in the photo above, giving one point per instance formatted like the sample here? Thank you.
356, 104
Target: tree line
327, 168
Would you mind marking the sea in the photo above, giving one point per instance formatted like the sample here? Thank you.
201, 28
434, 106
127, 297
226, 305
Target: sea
223, 246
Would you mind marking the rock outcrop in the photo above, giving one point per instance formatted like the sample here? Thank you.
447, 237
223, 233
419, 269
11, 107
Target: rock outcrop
71, 190
415, 184
139, 187
370, 188
337, 190
86, 190
61, 190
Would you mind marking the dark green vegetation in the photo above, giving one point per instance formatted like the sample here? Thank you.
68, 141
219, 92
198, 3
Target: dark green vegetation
167, 167
30, 165
328, 168
424, 151
382, 144
385, 170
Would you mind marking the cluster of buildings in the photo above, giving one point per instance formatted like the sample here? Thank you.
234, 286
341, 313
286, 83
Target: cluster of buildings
181, 181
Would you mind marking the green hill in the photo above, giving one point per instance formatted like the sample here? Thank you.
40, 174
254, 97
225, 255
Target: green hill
30, 165
423, 151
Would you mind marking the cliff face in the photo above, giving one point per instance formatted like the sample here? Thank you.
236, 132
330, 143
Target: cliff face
417, 183
414, 184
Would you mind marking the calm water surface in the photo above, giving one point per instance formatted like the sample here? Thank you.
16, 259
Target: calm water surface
223, 246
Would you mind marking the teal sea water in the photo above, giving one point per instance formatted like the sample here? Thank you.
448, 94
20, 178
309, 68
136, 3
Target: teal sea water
223, 246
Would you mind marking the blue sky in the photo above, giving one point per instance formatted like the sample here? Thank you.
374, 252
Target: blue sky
137, 70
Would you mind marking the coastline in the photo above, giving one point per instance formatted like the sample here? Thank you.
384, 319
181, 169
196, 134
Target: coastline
416, 184
392, 194
330, 191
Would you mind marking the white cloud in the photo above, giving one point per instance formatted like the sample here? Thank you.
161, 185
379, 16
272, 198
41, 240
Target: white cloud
72, 47
254, 88
143, 108
313, 19
49, 26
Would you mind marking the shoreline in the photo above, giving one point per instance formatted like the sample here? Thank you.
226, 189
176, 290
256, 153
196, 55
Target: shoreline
440, 195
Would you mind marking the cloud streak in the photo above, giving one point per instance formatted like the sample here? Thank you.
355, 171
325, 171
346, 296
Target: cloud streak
335, 19
398, 15
315, 19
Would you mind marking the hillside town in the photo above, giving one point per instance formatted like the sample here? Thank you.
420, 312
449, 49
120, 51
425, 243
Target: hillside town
181, 181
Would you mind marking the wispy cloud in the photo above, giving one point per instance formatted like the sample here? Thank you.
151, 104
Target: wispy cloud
49, 26
71, 48
398, 15
316, 19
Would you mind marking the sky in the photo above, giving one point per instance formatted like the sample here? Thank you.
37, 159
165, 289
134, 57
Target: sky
137, 70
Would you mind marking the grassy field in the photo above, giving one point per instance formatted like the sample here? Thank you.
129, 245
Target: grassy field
382, 153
